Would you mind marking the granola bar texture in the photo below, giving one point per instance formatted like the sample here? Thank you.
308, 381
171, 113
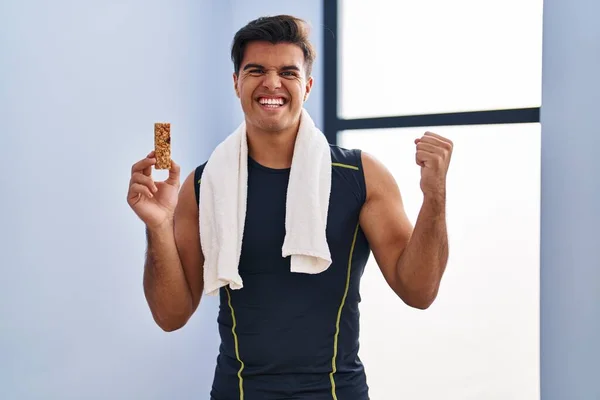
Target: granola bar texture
162, 145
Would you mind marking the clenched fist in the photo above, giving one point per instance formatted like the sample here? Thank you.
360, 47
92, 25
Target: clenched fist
433, 156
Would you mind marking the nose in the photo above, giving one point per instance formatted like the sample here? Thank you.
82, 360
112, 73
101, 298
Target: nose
272, 80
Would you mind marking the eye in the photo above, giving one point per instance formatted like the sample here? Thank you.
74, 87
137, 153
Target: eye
289, 74
256, 71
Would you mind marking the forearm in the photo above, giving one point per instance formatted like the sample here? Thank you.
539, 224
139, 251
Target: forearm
422, 263
165, 285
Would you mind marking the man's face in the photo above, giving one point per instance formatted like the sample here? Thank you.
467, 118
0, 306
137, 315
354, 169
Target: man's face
272, 85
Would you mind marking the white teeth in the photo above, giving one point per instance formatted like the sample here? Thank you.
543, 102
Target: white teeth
271, 102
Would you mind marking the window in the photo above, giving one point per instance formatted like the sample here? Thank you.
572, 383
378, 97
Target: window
436, 56
480, 339
470, 71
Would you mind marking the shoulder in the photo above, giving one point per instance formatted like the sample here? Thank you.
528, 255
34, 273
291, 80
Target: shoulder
372, 175
355, 159
379, 181
348, 171
343, 157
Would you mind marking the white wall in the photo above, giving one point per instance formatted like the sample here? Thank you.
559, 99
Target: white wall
570, 280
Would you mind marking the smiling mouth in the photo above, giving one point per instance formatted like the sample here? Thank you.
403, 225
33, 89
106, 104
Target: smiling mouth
272, 102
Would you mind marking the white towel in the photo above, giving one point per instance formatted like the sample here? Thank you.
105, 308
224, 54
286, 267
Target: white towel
223, 194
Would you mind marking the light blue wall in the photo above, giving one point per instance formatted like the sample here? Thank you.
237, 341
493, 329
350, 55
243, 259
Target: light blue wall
81, 85
570, 253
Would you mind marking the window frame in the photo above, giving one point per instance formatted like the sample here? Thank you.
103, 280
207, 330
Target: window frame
333, 124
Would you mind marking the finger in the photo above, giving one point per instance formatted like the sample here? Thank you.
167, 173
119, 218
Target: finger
441, 147
429, 148
174, 174
429, 159
420, 158
148, 169
432, 140
141, 179
143, 165
137, 189
432, 136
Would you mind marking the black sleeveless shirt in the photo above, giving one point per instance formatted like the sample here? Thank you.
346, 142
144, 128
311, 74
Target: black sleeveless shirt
288, 335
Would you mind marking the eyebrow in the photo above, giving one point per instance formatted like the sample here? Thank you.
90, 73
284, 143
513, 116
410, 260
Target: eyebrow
284, 68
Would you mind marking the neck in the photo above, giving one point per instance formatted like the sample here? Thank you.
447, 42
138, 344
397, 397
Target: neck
272, 149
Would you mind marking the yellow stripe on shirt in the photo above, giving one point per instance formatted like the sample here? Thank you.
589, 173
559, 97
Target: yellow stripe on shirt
339, 316
236, 344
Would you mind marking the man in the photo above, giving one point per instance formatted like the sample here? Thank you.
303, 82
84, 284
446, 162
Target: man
289, 335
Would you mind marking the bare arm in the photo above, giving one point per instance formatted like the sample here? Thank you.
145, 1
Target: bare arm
412, 260
423, 262
173, 274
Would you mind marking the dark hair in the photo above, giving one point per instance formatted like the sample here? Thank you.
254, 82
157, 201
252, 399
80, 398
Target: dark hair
276, 29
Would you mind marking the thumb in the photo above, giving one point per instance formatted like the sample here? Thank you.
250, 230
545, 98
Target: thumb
174, 174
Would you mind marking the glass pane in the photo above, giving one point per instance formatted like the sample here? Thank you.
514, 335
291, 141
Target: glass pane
480, 339
434, 56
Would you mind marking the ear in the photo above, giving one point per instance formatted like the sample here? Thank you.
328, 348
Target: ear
235, 85
308, 88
